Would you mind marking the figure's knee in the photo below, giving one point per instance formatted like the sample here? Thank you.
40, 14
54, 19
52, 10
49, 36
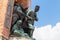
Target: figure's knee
31, 26
19, 22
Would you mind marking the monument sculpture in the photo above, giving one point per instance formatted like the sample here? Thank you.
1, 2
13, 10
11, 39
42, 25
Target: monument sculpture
23, 21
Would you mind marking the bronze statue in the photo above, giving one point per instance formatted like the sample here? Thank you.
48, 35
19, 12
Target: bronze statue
23, 21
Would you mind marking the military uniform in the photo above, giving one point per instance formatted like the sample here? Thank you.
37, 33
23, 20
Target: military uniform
31, 17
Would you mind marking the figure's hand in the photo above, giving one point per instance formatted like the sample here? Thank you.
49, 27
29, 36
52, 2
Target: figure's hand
36, 19
26, 18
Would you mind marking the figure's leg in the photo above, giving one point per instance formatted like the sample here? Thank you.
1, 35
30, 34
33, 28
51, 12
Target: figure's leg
19, 32
31, 30
16, 27
30, 26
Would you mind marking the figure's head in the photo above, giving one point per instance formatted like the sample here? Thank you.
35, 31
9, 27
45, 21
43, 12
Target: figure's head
37, 8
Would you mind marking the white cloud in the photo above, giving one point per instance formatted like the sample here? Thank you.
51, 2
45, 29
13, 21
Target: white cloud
47, 32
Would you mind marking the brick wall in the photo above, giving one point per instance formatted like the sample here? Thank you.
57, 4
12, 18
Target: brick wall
3, 7
6, 8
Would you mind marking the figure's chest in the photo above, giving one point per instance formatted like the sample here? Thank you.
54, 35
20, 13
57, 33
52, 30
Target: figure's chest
32, 14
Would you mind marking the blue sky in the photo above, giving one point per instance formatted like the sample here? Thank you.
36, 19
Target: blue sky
49, 12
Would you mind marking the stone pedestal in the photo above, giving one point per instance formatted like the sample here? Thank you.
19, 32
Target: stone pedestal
17, 38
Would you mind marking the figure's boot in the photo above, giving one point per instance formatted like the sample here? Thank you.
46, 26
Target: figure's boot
31, 33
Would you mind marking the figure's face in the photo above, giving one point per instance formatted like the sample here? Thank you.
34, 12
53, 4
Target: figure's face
37, 8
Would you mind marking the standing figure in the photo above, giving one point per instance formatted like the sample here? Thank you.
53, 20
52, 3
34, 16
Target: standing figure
31, 18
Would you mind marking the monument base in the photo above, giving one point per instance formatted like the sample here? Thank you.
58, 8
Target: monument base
18, 38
